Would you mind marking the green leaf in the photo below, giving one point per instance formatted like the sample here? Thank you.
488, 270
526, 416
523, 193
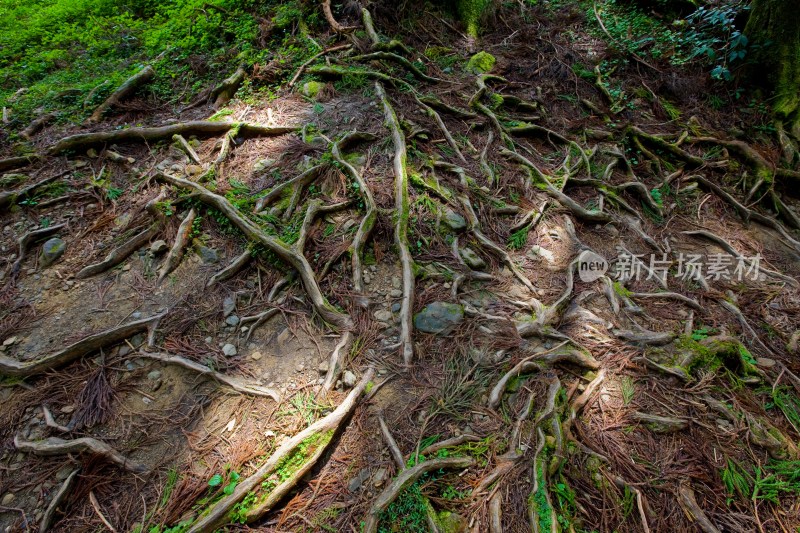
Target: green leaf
215, 481
229, 488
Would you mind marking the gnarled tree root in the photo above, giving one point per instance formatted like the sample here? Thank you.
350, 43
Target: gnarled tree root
689, 504
238, 384
404, 480
12, 367
178, 247
55, 446
207, 128
401, 205
223, 92
28, 239
335, 361
232, 269
49, 516
323, 429
124, 90
8, 198
281, 249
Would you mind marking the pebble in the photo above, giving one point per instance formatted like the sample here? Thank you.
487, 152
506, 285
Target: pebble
154, 375
64, 472
396, 293
68, 409
228, 305
146, 400
765, 362
255, 356
396, 307
396, 282
349, 379
284, 336
232, 320
8, 499
9, 341
323, 367
355, 484
383, 315
229, 350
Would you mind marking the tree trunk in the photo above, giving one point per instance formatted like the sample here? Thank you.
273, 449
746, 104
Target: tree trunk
774, 33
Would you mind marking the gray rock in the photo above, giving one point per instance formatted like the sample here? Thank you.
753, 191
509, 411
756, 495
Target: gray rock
228, 305
765, 362
155, 375
453, 220
349, 379
158, 247
396, 293
439, 317
472, 259
8, 499
383, 315
355, 484
323, 367
208, 255
137, 340
232, 320
284, 336
52, 250
263, 164
396, 307
229, 350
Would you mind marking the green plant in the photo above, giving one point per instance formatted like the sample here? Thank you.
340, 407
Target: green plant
518, 239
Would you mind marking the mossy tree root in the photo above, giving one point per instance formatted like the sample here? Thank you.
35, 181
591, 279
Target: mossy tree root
404, 480
126, 89
222, 93
401, 214
219, 513
235, 266
8, 198
287, 253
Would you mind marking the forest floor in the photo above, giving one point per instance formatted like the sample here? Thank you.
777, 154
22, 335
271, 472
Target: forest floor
486, 384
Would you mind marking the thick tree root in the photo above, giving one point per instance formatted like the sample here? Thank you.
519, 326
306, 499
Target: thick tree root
401, 206
305, 65
122, 252
186, 148
326, 311
55, 446
12, 367
126, 89
404, 480
400, 60
655, 338
691, 302
235, 266
36, 125
8, 198
175, 255
692, 509
223, 92
323, 430
660, 424
12, 163
50, 421
49, 516
335, 360
259, 319
201, 128
442, 126
238, 384
30, 238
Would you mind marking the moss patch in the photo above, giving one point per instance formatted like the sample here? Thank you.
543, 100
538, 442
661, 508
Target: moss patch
481, 62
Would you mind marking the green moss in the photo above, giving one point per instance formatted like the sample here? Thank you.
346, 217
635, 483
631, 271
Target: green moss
481, 63
470, 12
538, 500
311, 89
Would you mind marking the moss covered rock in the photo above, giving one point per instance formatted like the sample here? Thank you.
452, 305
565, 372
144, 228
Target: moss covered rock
481, 62
311, 89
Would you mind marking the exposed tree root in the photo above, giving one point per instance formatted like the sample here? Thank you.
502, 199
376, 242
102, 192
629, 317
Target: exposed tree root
692, 509
691, 302
30, 238
728, 247
305, 65
11, 163
442, 126
8, 198
335, 361
175, 255
12, 367
126, 89
335, 26
645, 337
401, 214
223, 92
238, 384
201, 128
36, 125
400, 60
326, 311
235, 266
322, 430
258, 320
404, 480
55, 446
184, 145
122, 252
51, 422
660, 424
49, 516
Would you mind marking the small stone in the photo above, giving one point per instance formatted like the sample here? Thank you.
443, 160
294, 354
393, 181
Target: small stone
9, 341
379, 478
68, 409
765, 362
52, 250
396, 293
155, 375
396, 307
323, 367
8, 499
194, 170
472, 259
263, 164
396, 282
383, 315
228, 305
349, 379
256, 356
158, 247
481, 62
232, 320
355, 484
229, 350
311, 89
208, 340
146, 400
124, 350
